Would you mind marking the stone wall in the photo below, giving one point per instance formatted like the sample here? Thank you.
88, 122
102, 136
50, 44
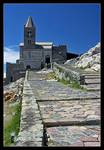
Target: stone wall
31, 127
67, 74
59, 54
14, 72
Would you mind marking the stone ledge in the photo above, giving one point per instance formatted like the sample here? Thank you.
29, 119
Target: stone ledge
68, 74
31, 127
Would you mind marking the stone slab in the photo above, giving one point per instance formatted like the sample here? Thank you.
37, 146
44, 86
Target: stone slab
70, 112
72, 135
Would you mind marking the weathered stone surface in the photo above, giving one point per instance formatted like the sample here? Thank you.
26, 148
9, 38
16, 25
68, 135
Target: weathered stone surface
72, 135
31, 127
54, 90
89, 60
70, 111
59, 105
89, 144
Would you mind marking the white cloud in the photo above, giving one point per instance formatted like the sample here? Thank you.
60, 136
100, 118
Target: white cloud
10, 55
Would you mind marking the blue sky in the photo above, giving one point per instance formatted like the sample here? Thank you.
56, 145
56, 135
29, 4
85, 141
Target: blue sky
76, 25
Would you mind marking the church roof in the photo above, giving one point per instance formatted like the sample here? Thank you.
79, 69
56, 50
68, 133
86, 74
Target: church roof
29, 22
45, 45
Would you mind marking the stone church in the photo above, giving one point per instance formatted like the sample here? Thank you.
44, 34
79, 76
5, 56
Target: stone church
34, 55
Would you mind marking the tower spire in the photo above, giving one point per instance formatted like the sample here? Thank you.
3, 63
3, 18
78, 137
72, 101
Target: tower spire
29, 22
29, 33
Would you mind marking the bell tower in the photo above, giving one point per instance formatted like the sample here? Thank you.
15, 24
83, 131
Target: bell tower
29, 33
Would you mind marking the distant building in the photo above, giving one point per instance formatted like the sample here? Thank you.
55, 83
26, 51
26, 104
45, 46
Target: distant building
34, 55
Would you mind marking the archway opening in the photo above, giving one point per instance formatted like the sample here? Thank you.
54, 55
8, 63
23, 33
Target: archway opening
47, 59
28, 67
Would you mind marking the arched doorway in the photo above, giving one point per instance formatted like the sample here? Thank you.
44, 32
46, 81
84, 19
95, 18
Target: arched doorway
47, 59
28, 67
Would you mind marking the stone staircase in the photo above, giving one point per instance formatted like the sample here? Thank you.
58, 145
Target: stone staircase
60, 115
92, 82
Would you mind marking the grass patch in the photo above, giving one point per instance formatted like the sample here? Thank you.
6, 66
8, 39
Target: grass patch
13, 125
75, 85
65, 82
72, 84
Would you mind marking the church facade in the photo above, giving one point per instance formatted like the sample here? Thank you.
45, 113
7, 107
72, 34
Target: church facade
33, 54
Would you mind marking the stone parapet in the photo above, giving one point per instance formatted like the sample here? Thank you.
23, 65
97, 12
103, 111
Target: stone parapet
31, 127
68, 74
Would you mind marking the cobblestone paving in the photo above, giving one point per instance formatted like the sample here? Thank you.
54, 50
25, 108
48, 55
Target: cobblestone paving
53, 90
74, 136
70, 112
66, 112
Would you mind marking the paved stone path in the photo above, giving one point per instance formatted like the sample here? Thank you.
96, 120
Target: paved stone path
53, 90
79, 136
76, 112
70, 112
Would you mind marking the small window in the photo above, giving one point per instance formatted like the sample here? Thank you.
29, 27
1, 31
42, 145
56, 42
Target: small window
29, 42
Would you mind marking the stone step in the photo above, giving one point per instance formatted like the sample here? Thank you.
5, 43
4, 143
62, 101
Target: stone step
92, 77
76, 136
90, 74
96, 97
70, 112
92, 87
70, 123
92, 81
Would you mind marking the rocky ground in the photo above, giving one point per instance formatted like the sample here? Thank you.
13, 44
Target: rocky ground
89, 61
12, 92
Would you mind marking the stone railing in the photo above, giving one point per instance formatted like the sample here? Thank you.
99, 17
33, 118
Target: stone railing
68, 74
31, 127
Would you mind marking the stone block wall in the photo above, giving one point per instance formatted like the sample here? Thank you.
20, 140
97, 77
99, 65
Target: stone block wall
14, 72
59, 54
67, 74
